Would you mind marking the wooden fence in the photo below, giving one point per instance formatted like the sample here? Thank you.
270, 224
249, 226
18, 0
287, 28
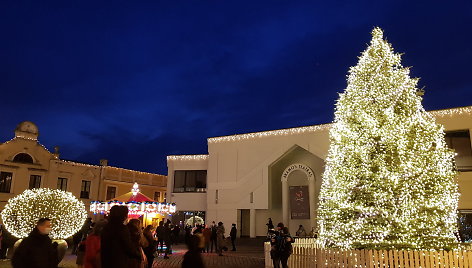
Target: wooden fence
306, 254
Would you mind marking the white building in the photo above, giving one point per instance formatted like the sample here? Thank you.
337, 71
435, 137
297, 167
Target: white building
246, 178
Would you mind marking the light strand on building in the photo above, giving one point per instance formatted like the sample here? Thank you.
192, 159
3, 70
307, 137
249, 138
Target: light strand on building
311, 129
272, 133
451, 112
187, 157
134, 208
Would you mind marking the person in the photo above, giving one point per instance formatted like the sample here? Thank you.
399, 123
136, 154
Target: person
139, 242
281, 246
76, 240
80, 254
270, 225
163, 237
192, 258
301, 231
7, 241
207, 237
152, 243
176, 233
92, 246
220, 238
187, 231
167, 239
1, 239
117, 250
313, 233
232, 234
213, 237
160, 233
37, 250
198, 232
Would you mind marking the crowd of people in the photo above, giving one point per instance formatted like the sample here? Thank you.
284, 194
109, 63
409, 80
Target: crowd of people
119, 242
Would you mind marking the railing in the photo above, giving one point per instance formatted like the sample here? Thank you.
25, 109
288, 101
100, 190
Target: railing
307, 253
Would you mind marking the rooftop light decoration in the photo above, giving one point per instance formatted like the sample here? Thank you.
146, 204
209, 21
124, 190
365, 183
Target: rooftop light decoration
389, 180
66, 212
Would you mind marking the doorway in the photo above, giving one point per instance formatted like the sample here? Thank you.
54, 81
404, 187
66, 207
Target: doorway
243, 222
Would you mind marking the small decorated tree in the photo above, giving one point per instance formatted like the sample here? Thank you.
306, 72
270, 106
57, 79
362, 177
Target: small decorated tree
389, 180
66, 212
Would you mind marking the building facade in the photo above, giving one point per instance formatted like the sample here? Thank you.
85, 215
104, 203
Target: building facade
26, 164
277, 174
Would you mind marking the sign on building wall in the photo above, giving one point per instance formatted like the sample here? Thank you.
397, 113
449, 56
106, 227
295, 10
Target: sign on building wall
299, 202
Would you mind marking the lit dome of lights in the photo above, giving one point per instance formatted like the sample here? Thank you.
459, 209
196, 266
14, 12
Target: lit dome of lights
66, 212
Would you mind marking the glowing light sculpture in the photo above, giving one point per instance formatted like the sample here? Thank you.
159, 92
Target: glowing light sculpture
389, 180
66, 212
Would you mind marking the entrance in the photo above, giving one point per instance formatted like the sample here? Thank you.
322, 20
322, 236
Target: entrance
243, 223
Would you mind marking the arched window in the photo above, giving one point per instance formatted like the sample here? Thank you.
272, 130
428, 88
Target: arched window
23, 158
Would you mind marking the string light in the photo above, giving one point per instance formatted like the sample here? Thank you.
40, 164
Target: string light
271, 133
134, 208
30, 139
109, 168
187, 157
452, 112
198, 220
135, 189
66, 212
389, 180
317, 128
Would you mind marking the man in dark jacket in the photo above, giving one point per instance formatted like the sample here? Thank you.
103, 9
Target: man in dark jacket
232, 234
37, 250
116, 246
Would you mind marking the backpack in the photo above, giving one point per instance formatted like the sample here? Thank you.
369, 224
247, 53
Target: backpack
284, 246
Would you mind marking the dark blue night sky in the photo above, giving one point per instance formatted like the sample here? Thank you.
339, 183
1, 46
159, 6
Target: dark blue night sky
133, 81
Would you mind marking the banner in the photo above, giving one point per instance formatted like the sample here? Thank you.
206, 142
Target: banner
299, 202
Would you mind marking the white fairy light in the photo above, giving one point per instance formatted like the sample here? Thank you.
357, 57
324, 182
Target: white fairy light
271, 133
66, 212
389, 180
187, 157
323, 127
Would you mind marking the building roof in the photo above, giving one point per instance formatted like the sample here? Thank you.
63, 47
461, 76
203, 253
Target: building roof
322, 127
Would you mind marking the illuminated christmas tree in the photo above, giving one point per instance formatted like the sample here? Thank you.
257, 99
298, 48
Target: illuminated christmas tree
389, 180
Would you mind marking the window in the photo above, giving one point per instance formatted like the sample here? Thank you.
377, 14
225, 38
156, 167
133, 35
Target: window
190, 181
460, 142
62, 184
23, 158
5, 181
35, 181
157, 196
85, 189
111, 192
465, 226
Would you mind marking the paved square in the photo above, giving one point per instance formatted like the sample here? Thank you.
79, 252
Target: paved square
249, 254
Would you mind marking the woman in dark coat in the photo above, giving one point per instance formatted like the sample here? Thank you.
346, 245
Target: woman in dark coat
139, 242
117, 251
152, 243
220, 238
